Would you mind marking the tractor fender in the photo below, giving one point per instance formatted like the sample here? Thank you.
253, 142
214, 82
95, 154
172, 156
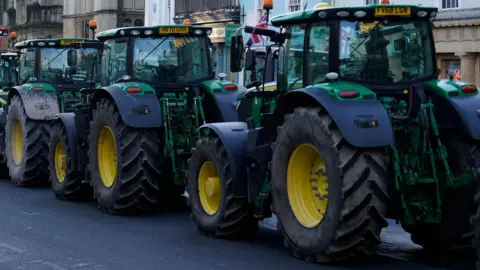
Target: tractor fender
353, 118
38, 106
468, 108
137, 111
219, 107
233, 137
68, 121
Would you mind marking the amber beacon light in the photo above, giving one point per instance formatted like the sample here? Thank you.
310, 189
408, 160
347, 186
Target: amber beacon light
92, 25
268, 4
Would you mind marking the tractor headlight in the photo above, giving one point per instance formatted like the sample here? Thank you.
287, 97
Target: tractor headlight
422, 13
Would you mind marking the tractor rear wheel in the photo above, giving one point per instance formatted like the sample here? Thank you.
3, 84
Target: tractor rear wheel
66, 183
210, 189
124, 163
329, 197
26, 143
455, 232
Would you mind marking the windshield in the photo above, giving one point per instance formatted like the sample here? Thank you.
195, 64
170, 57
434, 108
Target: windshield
54, 68
171, 59
385, 52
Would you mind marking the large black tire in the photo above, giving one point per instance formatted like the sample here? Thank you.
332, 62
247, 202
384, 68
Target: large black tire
455, 232
66, 184
136, 184
476, 219
32, 168
357, 185
234, 216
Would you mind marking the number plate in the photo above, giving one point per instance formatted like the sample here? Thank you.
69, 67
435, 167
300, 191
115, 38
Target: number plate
173, 30
70, 42
392, 11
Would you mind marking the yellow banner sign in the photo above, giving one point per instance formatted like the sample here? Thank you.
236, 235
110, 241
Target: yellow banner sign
70, 42
173, 30
392, 11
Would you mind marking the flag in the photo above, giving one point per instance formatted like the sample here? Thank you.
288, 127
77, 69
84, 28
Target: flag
255, 38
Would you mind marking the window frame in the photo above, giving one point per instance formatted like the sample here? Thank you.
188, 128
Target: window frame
288, 6
440, 5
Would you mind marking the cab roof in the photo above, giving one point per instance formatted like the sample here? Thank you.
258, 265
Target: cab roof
354, 13
58, 43
158, 30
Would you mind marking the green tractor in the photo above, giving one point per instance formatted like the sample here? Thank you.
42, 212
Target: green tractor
49, 80
130, 143
8, 79
370, 134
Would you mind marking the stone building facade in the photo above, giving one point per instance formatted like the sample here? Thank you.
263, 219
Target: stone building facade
457, 38
107, 13
33, 18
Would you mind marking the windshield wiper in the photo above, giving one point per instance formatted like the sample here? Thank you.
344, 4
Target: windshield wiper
56, 56
160, 43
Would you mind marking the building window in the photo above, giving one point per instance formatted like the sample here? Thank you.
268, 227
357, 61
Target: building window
371, 2
293, 5
138, 22
449, 4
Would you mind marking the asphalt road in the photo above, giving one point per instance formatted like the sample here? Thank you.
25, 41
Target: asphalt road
38, 232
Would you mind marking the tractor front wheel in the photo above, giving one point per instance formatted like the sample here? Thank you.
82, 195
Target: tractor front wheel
66, 183
210, 188
329, 197
124, 163
26, 145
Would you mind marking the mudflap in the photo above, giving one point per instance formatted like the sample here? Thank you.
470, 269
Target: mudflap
136, 111
259, 154
68, 121
363, 123
233, 136
38, 106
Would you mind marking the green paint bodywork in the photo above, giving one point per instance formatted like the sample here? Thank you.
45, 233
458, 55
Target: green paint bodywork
47, 88
312, 14
112, 33
334, 88
215, 86
447, 88
147, 90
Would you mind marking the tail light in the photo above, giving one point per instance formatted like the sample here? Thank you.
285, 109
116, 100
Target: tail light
469, 89
37, 89
134, 90
349, 94
230, 87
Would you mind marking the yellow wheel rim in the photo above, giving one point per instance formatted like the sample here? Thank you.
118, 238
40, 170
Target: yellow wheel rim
60, 161
209, 189
17, 141
307, 185
107, 156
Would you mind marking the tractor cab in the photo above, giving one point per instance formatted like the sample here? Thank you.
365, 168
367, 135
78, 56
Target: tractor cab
386, 48
8, 70
62, 64
165, 57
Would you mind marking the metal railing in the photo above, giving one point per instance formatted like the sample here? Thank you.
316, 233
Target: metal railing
190, 6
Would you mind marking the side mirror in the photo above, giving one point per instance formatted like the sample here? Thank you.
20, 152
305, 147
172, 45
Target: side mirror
250, 60
236, 53
72, 58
